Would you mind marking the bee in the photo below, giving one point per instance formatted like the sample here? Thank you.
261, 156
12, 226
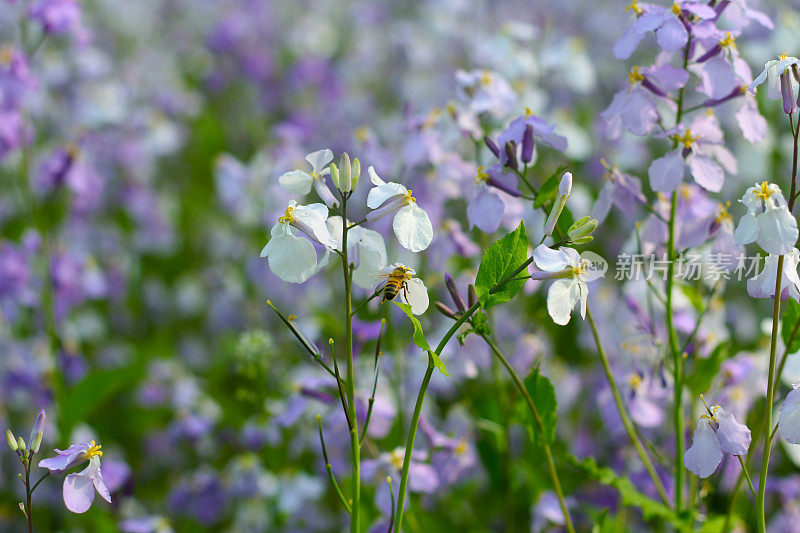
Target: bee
396, 282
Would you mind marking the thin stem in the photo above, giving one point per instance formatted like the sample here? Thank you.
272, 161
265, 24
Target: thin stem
28, 492
762, 479
365, 302
45, 476
511, 276
329, 468
789, 341
747, 476
377, 370
538, 420
626, 421
339, 388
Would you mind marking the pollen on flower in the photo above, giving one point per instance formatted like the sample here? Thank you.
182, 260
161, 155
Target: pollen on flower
634, 380
676, 9
782, 56
396, 459
461, 448
687, 138
94, 449
634, 6
486, 77
362, 134
287, 216
409, 197
728, 41
722, 213
764, 193
635, 75
291, 317
528, 111
482, 176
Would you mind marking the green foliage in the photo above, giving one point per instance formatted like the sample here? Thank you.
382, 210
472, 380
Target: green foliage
543, 395
790, 319
549, 189
420, 340
498, 262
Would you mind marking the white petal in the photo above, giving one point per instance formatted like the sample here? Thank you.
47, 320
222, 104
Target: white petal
747, 230
314, 216
413, 228
705, 454
296, 182
291, 258
550, 260
789, 421
561, 299
319, 159
381, 193
78, 492
777, 231
666, 172
416, 295
373, 176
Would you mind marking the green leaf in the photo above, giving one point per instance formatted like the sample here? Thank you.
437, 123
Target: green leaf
549, 188
420, 340
499, 261
790, 320
705, 369
543, 395
631, 497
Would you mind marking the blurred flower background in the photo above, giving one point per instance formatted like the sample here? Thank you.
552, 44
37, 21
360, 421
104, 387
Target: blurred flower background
140, 149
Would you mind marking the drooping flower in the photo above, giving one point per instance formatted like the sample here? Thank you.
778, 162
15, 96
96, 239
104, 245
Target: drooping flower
411, 224
716, 433
768, 220
773, 70
763, 285
79, 487
293, 257
300, 182
571, 272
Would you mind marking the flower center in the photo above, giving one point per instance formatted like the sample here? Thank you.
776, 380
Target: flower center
287, 215
728, 41
409, 197
764, 193
486, 77
93, 450
722, 213
634, 6
634, 380
782, 57
528, 111
635, 76
461, 448
578, 270
687, 138
482, 176
676, 9
396, 458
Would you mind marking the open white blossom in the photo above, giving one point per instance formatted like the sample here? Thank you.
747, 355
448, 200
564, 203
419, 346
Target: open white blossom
412, 290
300, 182
292, 257
789, 421
571, 272
768, 220
411, 223
772, 74
366, 250
763, 285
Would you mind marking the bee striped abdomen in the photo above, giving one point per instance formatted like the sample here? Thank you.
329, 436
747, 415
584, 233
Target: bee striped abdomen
393, 286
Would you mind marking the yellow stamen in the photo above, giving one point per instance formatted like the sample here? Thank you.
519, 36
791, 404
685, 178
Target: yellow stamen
291, 317
635, 76
634, 6
782, 57
461, 448
93, 450
362, 134
396, 459
676, 9
764, 193
728, 41
482, 176
635, 380
287, 216
687, 138
722, 213
409, 197
486, 77
528, 111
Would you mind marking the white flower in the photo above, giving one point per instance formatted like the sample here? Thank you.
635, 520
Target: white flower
367, 248
789, 421
413, 291
300, 182
705, 453
772, 74
763, 285
292, 257
571, 272
411, 224
768, 220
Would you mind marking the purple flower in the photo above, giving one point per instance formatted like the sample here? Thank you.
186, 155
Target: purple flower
540, 128
708, 443
79, 488
58, 16
622, 190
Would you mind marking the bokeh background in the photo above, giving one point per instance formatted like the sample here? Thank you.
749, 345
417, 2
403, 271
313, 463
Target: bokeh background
157, 132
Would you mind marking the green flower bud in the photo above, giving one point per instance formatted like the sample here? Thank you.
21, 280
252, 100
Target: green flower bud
12, 441
335, 175
345, 183
21, 444
583, 227
355, 173
583, 240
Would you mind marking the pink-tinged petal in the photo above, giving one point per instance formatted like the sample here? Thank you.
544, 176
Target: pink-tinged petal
703, 11
717, 78
651, 20
668, 77
706, 172
422, 478
789, 421
78, 492
734, 438
485, 210
672, 36
626, 44
752, 124
705, 454
612, 116
639, 113
666, 173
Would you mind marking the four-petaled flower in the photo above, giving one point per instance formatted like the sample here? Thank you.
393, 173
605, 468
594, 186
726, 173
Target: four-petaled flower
79, 488
300, 182
708, 443
768, 220
411, 223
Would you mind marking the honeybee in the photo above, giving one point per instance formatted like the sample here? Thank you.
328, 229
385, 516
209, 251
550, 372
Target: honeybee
396, 282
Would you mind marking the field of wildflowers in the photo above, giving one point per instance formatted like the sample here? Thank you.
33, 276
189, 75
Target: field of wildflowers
445, 265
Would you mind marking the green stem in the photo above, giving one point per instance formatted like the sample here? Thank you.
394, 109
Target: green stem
762, 478
626, 421
747, 475
329, 468
538, 420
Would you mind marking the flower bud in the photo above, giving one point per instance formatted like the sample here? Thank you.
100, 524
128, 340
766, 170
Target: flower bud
583, 240
472, 296
355, 172
12, 441
446, 311
511, 155
335, 175
581, 228
345, 183
21, 444
564, 190
454, 294
527, 144
491, 145
787, 94
37, 431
